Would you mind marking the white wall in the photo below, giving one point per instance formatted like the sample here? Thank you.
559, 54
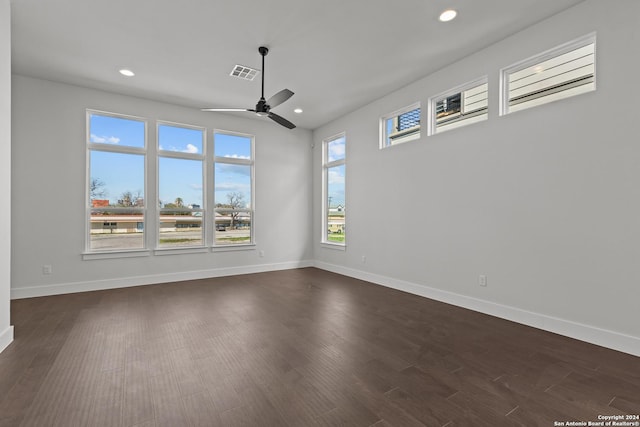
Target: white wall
6, 331
545, 202
49, 184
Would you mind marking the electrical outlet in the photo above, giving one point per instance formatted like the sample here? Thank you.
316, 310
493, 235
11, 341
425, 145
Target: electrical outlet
482, 280
261, 254
364, 259
47, 269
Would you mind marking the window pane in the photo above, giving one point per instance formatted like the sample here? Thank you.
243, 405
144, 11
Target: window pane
112, 230
336, 149
401, 128
462, 108
116, 131
233, 146
336, 204
180, 183
180, 191
232, 227
566, 71
180, 139
116, 179
233, 186
180, 228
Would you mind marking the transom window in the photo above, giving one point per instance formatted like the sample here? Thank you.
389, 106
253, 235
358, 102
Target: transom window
400, 126
460, 106
562, 72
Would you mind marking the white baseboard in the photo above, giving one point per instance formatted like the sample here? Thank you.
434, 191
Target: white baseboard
602, 337
6, 337
125, 282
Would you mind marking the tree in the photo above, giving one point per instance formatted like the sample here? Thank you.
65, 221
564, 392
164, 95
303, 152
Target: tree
236, 201
96, 189
138, 199
126, 199
179, 202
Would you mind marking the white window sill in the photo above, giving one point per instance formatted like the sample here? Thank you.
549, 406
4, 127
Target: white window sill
334, 246
179, 251
87, 256
233, 248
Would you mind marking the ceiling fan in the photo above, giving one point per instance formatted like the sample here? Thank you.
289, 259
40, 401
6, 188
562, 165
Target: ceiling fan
263, 107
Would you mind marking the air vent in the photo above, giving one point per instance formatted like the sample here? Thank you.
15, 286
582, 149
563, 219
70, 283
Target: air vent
242, 72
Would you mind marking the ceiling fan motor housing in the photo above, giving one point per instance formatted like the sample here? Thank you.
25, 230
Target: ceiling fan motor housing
262, 108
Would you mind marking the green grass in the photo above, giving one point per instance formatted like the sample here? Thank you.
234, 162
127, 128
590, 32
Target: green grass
234, 239
178, 240
336, 238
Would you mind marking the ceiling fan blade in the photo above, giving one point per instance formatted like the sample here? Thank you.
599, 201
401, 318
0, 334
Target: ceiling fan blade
279, 98
226, 109
281, 120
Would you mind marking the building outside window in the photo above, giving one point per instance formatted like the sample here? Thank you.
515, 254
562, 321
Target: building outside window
400, 126
233, 188
459, 106
334, 206
561, 72
116, 158
180, 185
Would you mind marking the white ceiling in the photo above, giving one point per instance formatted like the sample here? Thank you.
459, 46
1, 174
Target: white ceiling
336, 55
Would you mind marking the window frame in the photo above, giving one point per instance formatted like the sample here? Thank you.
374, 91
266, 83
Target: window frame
173, 154
432, 125
326, 166
410, 136
560, 50
251, 210
90, 253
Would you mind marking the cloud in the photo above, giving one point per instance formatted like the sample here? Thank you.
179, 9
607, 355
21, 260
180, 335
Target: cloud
233, 186
195, 186
336, 177
191, 149
227, 168
336, 150
104, 139
239, 156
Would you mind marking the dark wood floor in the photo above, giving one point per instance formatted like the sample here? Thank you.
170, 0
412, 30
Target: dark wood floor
295, 348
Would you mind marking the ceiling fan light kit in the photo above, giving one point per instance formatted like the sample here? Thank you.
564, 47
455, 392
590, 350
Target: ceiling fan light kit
264, 106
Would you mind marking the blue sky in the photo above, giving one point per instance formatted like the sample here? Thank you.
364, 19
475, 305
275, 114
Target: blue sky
336, 174
177, 177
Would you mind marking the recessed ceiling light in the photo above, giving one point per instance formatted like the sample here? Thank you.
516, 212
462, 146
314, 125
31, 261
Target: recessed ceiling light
127, 73
298, 111
448, 15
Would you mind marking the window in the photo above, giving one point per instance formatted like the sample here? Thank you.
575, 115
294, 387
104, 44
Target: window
562, 72
460, 106
180, 186
233, 188
400, 126
116, 151
334, 207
